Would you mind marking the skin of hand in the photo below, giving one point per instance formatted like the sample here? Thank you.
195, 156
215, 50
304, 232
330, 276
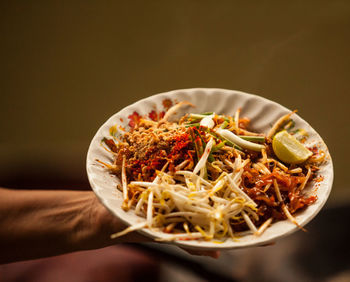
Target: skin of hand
36, 223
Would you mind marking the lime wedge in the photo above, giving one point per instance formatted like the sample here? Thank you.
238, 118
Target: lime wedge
288, 149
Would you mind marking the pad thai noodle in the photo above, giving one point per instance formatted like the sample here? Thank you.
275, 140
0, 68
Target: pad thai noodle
206, 176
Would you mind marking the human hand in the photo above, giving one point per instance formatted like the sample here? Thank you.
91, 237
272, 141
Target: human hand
42, 223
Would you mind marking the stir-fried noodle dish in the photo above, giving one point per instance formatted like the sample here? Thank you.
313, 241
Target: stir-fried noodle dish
207, 176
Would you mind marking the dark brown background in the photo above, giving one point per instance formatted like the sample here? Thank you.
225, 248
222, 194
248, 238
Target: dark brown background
66, 66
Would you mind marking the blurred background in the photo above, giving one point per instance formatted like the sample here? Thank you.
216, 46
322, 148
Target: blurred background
66, 66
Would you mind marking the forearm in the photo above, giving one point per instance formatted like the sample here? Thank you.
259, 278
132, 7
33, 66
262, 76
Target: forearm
36, 224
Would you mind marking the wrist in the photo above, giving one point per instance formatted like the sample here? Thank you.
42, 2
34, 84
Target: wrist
102, 224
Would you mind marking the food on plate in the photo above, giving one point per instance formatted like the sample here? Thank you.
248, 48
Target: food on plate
208, 176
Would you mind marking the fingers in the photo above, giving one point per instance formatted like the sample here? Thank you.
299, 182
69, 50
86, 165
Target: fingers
268, 244
212, 254
134, 237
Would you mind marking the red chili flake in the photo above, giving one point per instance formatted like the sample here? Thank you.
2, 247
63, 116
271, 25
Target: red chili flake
181, 142
319, 178
179, 150
156, 159
314, 149
121, 119
134, 119
180, 145
167, 104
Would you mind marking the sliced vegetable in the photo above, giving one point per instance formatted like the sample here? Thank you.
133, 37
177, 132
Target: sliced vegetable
208, 121
288, 149
203, 159
239, 141
259, 139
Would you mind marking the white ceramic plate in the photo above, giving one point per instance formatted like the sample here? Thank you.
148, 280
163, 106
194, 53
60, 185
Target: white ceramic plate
262, 112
